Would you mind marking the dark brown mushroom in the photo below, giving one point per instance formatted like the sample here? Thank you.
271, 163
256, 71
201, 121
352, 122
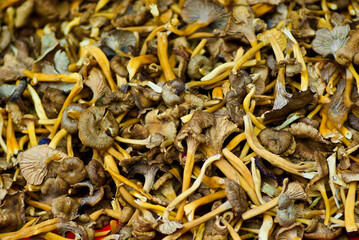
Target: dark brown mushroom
349, 52
117, 102
12, 212
277, 141
71, 170
286, 213
143, 227
70, 117
97, 127
65, 208
236, 197
53, 188
96, 172
198, 64
53, 100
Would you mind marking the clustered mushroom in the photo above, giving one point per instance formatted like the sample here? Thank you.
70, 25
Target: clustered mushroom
187, 119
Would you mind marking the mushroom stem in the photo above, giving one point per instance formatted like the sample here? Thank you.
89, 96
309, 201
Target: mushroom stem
124, 180
247, 56
32, 135
125, 154
355, 74
323, 192
2, 142
162, 44
104, 65
57, 138
348, 89
152, 35
132, 141
115, 154
260, 209
231, 230
11, 142
40, 111
235, 141
271, 157
189, 191
73, 113
191, 28
211, 182
199, 47
192, 224
74, 91
70, 151
53, 158
266, 228
136, 62
191, 207
43, 77
37, 204
349, 208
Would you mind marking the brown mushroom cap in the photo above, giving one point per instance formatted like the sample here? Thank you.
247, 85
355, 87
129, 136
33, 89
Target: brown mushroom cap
69, 123
12, 212
72, 170
294, 230
277, 141
197, 62
96, 173
53, 100
171, 91
200, 120
117, 102
323, 232
236, 196
349, 52
350, 176
64, 207
33, 166
162, 123
53, 188
97, 127
286, 213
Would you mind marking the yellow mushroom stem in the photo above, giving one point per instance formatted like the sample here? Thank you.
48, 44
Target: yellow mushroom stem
96, 214
262, 8
196, 222
267, 227
53, 236
112, 151
231, 230
57, 138
11, 142
73, 113
136, 62
37, 204
76, 89
70, 150
191, 207
348, 89
214, 108
162, 45
53, 158
350, 224
274, 159
260, 209
235, 141
230, 172
246, 103
257, 181
324, 6
23, 140
153, 34
102, 60
2, 142
127, 182
354, 73
39, 109
201, 35
199, 232
73, 23
132, 141
193, 27
46, 121
43, 227
211, 182
188, 191
199, 47
125, 154
100, 4
239, 166
43, 77
157, 208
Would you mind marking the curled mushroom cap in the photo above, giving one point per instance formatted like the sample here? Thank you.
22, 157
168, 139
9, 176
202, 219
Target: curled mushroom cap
277, 141
72, 170
12, 212
202, 11
294, 231
64, 207
118, 40
69, 123
117, 102
196, 63
323, 232
286, 213
171, 91
327, 42
97, 127
33, 166
52, 100
96, 173
236, 196
193, 128
162, 123
53, 188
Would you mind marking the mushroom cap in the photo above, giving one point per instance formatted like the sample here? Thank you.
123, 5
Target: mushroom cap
279, 35
53, 100
327, 41
202, 11
294, 230
296, 191
193, 128
196, 63
65, 208
349, 52
277, 141
12, 212
32, 163
162, 123
323, 232
97, 83
97, 127
171, 91
118, 39
350, 176
236, 197
28, 118
54, 187
96, 173
72, 170
68, 123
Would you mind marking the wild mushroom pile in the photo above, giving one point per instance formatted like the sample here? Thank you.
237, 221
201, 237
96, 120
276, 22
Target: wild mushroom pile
189, 119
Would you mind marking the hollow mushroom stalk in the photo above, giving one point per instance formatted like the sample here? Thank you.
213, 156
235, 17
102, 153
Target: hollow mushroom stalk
191, 131
162, 44
137, 62
298, 54
271, 157
187, 192
102, 60
43, 77
76, 89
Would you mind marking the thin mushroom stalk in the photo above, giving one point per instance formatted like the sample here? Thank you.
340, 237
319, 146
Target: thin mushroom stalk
190, 190
136, 62
349, 219
271, 157
43, 77
163, 56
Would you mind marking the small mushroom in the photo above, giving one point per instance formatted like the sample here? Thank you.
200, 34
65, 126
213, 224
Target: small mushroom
118, 41
71, 170
162, 123
97, 127
323, 232
34, 166
171, 91
70, 117
96, 173
277, 141
64, 207
53, 188
286, 213
197, 65
12, 212
348, 52
149, 172
117, 102
294, 231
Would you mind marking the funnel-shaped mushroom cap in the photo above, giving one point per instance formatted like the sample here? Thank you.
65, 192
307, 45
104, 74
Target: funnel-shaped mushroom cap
349, 52
327, 41
204, 11
97, 127
282, 40
33, 166
118, 40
